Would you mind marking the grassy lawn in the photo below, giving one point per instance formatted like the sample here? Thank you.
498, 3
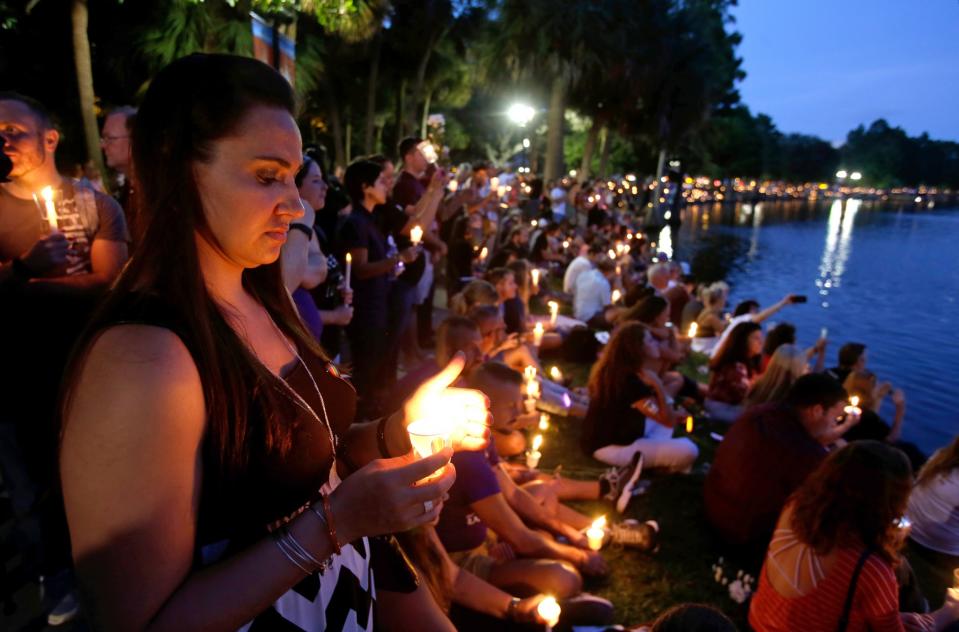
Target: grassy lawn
643, 585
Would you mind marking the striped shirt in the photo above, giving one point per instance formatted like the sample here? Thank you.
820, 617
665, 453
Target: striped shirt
875, 606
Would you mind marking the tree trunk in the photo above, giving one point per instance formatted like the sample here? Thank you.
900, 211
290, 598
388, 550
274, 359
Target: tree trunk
554, 132
378, 143
348, 137
400, 113
586, 163
336, 127
371, 86
81, 58
426, 114
417, 95
604, 134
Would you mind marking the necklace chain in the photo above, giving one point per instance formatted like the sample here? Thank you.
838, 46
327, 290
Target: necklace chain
298, 399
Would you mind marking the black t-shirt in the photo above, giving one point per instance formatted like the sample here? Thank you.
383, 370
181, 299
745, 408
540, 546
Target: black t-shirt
540, 246
406, 192
370, 294
617, 423
514, 315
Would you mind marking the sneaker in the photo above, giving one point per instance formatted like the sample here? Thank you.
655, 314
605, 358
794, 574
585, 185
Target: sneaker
65, 611
640, 535
585, 609
622, 481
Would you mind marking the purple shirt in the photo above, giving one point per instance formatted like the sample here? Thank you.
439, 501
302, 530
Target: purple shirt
308, 312
459, 528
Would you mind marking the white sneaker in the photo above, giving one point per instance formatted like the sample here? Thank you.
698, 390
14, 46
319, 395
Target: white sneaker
65, 611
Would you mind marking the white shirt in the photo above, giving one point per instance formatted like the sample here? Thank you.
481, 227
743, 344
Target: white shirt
934, 512
591, 295
558, 197
744, 318
575, 268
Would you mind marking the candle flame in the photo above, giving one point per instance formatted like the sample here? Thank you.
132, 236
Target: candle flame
543, 421
537, 442
535, 274
549, 610
566, 243
611, 253
617, 295
47, 194
538, 329
693, 329
854, 400
556, 374
689, 424
484, 252
416, 234
553, 307
529, 373
599, 523
349, 258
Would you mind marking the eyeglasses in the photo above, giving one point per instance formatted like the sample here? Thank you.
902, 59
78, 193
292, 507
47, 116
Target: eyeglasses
111, 139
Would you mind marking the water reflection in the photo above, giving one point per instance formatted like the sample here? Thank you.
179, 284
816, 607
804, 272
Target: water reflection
757, 215
838, 246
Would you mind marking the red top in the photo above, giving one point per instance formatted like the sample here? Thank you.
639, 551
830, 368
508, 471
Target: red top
729, 384
875, 606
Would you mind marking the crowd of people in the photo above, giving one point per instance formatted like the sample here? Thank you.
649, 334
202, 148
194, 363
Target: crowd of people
211, 375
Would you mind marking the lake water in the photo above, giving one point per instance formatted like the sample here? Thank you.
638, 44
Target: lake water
886, 277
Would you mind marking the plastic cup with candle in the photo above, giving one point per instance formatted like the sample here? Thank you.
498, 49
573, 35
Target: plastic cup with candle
596, 533
429, 436
549, 611
535, 272
416, 235
534, 455
47, 194
529, 373
553, 312
538, 332
693, 330
853, 407
543, 422
532, 389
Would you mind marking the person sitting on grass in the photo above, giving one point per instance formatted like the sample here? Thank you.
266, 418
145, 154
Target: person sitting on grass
785, 334
932, 510
863, 384
630, 416
852, 357
833, 561
474, 294
766, 455
748, 312
787, 365
732, 371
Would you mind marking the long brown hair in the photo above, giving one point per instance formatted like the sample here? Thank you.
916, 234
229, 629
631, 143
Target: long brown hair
943, 461
854, 498
736, 348
191, 104
622, 357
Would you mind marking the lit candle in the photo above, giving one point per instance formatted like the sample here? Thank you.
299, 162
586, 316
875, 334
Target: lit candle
629, 235
553, 312
483, 253
47, 194
596, 533
534, 455
349, 269
565, 244
416, 235
616, 296
689, 424
549, 611
853, 407
535, 274
538, 334
543, 422
501, 191
619, 248
529, 373
493, 183
429, 436
693, 329
532, 389
453, 185
556, 374
612, 254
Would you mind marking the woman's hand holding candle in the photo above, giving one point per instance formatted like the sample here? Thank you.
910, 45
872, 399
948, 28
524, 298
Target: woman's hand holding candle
462, 413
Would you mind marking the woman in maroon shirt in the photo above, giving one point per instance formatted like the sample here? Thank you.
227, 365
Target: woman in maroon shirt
732, 371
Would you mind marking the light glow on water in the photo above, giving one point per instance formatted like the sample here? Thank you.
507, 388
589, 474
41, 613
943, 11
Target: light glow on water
838, 246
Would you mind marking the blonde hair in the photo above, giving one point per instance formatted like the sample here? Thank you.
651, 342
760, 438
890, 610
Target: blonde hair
786, 366
715, 294
475, 293
944, 460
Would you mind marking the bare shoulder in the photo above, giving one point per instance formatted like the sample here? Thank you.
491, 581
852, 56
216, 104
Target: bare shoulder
137, 382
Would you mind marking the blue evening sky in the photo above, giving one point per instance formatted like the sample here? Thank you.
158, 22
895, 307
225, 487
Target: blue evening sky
823, 67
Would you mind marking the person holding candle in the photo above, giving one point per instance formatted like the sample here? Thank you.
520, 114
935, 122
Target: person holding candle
50, 281
835, 555
244, 468
766, 455
373, 268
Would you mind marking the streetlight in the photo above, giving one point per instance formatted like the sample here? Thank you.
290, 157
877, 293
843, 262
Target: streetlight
841, 174
855, 175
520, 113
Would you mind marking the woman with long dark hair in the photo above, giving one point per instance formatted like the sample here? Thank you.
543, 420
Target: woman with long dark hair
732, 371
831, 564
629, 410
205, 435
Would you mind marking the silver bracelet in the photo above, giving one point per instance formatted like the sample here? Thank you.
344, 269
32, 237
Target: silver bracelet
287, 553
301, 550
